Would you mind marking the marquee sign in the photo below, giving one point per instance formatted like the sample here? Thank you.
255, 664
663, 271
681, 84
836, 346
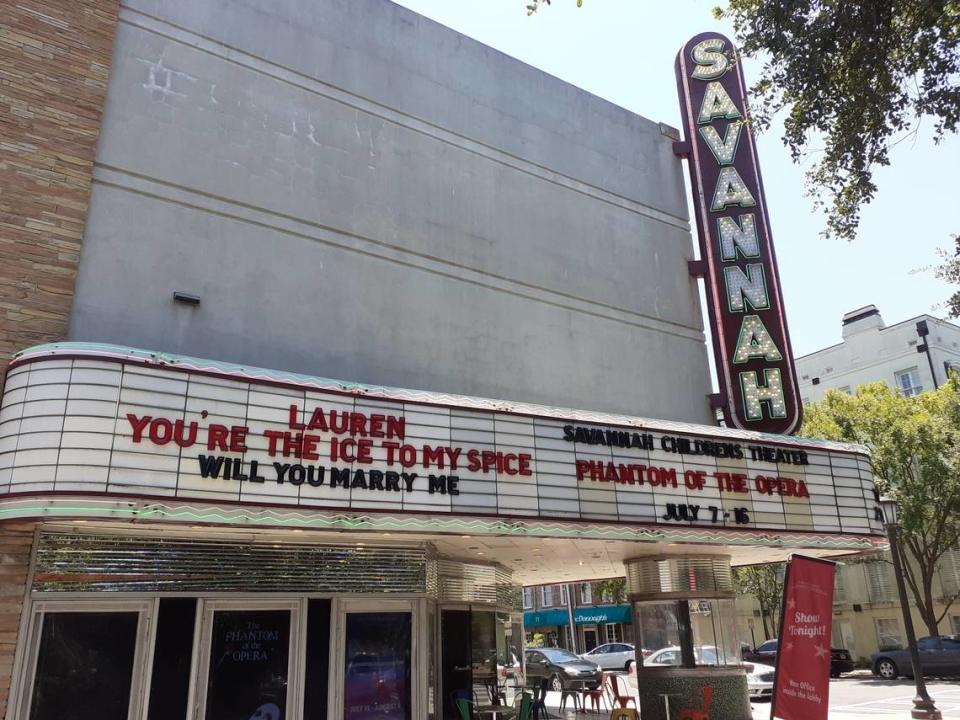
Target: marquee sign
131, 423
751, 344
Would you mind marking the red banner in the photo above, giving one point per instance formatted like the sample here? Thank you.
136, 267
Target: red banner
802, 685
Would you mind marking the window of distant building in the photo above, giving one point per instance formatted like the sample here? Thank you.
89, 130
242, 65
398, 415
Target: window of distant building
563, 595
586, 593
839, 586
888, 633
528, 597
845, 389
908, 381
546, 596
880, 581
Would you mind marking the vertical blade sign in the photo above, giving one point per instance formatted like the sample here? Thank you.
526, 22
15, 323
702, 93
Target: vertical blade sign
751, 345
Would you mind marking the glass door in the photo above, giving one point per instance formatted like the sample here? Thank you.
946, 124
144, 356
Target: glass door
248, 657
86, 661
376, 662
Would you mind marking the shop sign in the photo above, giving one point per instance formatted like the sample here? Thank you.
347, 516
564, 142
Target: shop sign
754, 360
141, 430
802, 681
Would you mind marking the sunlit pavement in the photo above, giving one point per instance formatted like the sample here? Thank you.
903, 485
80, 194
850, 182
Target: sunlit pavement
859, 696
862, 696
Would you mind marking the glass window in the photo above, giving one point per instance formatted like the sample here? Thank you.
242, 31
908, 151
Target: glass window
84, 666
839, 586
527, 597
658, 625
714, 635
249, 656
955, 621
768, 646
563, 594
377, 673
908, 381
845, 389
614, 632
928, 643
880, 581
949, 568
888, 633
586, 593
546, 596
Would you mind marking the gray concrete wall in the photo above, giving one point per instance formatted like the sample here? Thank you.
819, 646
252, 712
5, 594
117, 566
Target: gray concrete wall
357, 192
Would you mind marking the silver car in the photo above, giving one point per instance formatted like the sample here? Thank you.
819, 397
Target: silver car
612, 656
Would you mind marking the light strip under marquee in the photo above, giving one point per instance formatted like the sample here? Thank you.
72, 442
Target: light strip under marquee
754, 358
138, 510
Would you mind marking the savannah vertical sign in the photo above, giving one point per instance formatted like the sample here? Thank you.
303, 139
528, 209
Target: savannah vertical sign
752, 348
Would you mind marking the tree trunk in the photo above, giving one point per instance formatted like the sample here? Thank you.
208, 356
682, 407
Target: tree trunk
925, 604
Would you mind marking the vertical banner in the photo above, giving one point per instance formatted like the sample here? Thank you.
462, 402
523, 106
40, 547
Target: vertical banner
802, 681
755, 369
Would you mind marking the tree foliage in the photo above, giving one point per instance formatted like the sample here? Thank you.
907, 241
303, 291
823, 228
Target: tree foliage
949, 270
856, 75
915, 448
615, 589
765, 584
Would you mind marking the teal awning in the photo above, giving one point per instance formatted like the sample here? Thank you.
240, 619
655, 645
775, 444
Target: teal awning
602, 614
545, 618
581, 616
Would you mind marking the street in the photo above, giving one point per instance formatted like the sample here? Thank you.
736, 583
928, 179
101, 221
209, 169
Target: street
861, 695
857, 696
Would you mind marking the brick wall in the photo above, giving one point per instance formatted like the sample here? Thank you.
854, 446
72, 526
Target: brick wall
54, 63
16, 541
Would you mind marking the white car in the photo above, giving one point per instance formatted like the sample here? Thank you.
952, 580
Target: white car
670, 656
612, 656
759, 680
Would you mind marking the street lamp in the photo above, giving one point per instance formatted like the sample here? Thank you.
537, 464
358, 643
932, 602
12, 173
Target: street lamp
923, 705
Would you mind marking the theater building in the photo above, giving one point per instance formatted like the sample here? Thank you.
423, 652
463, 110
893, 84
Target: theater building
329, 329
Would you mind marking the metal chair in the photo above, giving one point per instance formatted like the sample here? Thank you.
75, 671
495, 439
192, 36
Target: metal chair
620, 698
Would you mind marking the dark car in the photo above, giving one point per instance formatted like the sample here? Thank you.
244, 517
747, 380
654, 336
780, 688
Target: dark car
562, 669
766, 653
938, 656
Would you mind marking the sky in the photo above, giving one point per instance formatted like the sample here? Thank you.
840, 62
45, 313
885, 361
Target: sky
624, 50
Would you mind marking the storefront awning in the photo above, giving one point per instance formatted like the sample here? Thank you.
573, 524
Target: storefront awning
581, 616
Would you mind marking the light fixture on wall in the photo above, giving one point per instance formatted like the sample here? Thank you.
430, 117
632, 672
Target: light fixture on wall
186, 298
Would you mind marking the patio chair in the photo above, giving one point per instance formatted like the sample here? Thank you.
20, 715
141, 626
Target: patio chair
703, 713
621, 698
526, 707
596, 696
463, 707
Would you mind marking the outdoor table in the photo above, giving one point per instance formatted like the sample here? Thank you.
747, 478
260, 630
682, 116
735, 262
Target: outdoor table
494, 712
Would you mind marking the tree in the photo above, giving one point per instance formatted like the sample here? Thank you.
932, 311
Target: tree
915, 448
949, 270
856, 75
615, 589
765, 583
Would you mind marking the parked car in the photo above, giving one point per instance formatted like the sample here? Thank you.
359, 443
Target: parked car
562, 669
938, 656
766, 652
670, 656
612, 656
759, 680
